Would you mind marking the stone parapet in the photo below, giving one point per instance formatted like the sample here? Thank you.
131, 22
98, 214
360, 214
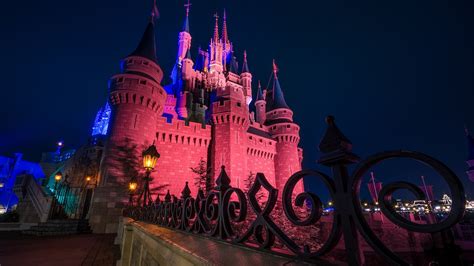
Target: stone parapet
149, 244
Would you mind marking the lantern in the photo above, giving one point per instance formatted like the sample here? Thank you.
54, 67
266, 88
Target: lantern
150, 156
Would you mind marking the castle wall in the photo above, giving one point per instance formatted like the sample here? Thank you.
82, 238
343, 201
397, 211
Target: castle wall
260, 156
181, 147
230, 122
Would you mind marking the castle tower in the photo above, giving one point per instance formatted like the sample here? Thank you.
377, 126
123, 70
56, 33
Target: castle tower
230, 118
216, 50
279, 119
246, 77
260, 104
137, 100
470, 156
184, 38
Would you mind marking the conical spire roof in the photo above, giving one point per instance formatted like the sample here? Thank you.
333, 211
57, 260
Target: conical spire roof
245, 67
147, 46
186, 20
259, 93
278, 100
216, 29
186, 24
225, 37
188, 54
234, 65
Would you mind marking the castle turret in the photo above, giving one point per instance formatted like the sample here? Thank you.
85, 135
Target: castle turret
184, 38
137, 100
188, 68
136, 97
260, 104
230, 119
279, 119
246, 77
470, 156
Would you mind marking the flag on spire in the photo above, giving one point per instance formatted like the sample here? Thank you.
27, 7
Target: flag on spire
275, 68
245, 67
155, 14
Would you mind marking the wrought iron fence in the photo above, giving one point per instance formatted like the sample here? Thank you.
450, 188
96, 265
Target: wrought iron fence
216, 214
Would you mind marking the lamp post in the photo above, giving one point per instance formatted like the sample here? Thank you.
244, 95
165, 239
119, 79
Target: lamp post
132, 186
57, 177
150, 156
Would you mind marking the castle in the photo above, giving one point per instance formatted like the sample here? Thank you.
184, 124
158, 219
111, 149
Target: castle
204, 114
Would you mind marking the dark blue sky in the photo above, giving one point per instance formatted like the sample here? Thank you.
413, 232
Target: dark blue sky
396, 74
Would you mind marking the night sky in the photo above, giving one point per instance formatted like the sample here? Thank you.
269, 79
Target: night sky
395, 74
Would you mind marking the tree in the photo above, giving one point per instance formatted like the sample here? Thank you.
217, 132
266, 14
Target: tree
203, 178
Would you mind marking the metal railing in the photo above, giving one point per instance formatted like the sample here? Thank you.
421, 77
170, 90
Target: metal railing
217, 214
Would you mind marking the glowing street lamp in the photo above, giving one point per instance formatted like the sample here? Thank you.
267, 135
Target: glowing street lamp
58, 176
132, 186
150, 157
88, 178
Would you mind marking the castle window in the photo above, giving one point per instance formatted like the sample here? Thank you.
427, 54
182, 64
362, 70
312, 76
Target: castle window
288, 126
143, 82
239, 104
145, 63
120, 80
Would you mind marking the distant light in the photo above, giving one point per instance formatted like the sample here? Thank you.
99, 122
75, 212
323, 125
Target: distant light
2, 184
60, 143
437, 208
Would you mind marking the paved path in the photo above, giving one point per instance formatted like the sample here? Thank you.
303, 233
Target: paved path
86, 249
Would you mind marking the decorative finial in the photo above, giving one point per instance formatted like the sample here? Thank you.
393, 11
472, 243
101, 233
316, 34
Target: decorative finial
330, 120
188, 5
168, 196
245, 55
335, 146
223, 181
259, 85
186, 193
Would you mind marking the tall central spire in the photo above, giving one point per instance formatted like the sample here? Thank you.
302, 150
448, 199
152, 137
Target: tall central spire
225, 37
216, 29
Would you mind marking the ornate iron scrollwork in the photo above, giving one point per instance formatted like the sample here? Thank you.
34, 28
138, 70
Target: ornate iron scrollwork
215, 215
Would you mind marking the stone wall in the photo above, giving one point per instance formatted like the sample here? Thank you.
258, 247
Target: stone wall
147, 244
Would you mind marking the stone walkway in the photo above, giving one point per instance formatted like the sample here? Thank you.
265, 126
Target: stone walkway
86, 249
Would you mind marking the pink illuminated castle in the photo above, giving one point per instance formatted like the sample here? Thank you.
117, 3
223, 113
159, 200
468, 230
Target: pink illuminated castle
204, 114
